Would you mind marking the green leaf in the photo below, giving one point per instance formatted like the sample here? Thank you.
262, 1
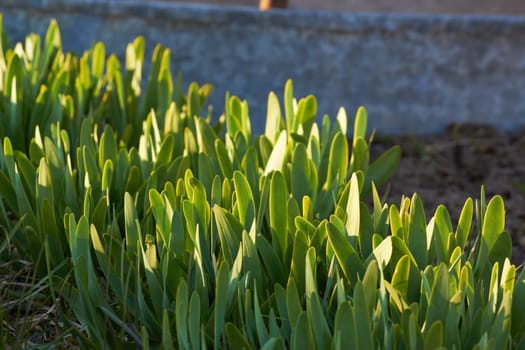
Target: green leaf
193, 99
278, 155
288, 105
293, 302
275, 343
181, 315
338, 161
302, 337
131, 219
235, 338
79, 245
360, 155
93, 171
439, 297
342, 121
370, 284
345, 327
464, 224
502, 248
8, 159
205, 137
265, 148
167, 340
366, 235
250, 168
434, 336
52, 234
28, 172
417, 237
107, 175
105, 263
442, 230
245, 202
384, 166
399, 250
154, 286
8, 193
314, 309
411, 332
233, 111
360, 124
363, 326
503, 320
161, 212
98, 216
273, 118
262, 332
221, 303
518, 300
345, 253
494, 222
303, 175
314, 149
396, 300
223, 159
297, 271
383, 252
493, 227
98, 59
116, 101
165, 88
353, 209
52, 43
271, 260
306, 113
400, 278
396, 225
230, 230
165, 154
279, 213
250, 259
179, 235
194, 324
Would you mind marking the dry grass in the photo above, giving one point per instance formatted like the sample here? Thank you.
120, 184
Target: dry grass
29, 316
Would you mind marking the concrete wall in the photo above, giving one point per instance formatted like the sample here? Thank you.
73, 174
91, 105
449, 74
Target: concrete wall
500, 7
416, 6
414, 73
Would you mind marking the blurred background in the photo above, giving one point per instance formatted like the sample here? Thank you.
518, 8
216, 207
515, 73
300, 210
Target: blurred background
417, 65
495, 7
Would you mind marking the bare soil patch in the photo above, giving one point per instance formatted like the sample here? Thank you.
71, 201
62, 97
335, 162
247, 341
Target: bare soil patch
452, 166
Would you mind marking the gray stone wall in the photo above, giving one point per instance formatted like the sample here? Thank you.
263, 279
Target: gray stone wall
414, 73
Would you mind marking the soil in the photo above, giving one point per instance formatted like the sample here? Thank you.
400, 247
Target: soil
452, 166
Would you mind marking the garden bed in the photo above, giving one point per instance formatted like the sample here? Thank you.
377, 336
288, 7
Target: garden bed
140, 224
449, 167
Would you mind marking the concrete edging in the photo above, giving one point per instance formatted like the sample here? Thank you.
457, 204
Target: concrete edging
414, 73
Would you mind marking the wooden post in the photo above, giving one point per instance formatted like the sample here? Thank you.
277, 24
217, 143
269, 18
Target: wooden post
270, 4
